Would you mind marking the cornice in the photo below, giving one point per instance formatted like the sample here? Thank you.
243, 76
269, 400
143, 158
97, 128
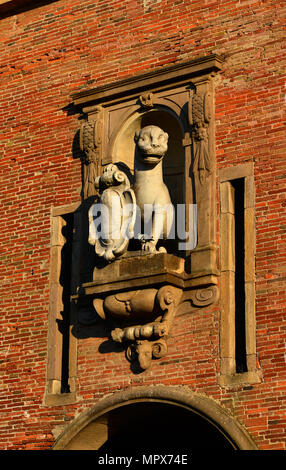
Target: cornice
155, 80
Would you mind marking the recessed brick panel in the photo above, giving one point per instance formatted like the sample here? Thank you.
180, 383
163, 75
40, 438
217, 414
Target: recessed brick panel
59, 48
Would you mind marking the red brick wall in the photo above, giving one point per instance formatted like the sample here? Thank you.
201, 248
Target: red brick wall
55, 49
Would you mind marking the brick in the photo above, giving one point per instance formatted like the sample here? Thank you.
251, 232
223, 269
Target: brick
62, 47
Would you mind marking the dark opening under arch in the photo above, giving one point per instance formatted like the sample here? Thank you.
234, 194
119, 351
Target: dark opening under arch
153, 418
151, 426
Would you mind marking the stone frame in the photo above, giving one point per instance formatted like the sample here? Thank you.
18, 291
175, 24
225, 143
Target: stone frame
109, 115
178, 89
229, 377
53, 394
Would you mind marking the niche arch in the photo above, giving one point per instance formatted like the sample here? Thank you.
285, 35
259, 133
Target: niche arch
123, 148
122, 144
198, 420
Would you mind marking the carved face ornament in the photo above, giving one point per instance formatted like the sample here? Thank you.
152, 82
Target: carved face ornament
152, 143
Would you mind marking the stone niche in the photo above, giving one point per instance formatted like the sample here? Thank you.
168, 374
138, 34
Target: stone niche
139, 283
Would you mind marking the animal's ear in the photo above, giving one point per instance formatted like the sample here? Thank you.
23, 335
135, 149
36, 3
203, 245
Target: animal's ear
136, 136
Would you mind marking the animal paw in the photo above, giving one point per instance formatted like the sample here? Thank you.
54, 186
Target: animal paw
149, 246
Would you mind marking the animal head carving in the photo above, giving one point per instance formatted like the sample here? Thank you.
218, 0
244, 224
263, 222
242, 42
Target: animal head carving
152, 143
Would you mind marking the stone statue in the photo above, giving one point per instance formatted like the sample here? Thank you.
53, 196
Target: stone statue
118, 203
152, 195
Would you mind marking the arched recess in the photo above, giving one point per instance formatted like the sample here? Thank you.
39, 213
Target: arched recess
150, 418
122, 150
122, 144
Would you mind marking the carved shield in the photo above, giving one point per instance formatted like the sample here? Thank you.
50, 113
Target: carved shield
111, 222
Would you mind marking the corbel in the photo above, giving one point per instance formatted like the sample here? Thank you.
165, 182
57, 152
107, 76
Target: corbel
152, 309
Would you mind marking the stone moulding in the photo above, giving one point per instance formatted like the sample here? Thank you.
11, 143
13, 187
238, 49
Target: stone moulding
180, 101
157, 79
179, 396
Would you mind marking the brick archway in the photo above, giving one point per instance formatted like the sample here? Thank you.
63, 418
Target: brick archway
147, 415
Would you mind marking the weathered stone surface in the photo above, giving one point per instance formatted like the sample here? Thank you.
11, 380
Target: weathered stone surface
250, 318
111, 230
226, 197
227, 339
249, 230
227, 259
152, 195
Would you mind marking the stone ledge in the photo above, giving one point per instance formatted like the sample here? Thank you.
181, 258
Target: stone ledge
244, 378
54, 397
140, 271
60, 399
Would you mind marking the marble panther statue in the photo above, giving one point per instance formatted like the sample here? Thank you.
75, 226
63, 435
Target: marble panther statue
152, 195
